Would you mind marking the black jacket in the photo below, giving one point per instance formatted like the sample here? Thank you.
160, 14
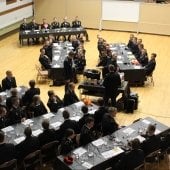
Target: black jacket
7, 83
66, 146
70, 97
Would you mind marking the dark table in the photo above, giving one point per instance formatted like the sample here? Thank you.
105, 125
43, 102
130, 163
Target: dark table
101, 153
55, 32
133, 73
98, 89
15, 133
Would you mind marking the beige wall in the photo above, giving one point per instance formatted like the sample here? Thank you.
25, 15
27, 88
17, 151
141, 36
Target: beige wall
154, 18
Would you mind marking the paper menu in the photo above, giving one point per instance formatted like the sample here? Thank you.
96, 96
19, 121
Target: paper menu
48, 115
98, 142
56, 124
79, 104
128, 131
146, 121
27, 122
80, 151
36, 132
137, 67
7, 129
87, 165
111, 153
19, 140
76, 118
157, 132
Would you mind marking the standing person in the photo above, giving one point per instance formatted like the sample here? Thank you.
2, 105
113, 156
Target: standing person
76, 23
9, 81
111, 83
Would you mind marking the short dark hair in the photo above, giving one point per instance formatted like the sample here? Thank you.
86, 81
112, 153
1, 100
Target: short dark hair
100, 102
135, 143
14, 92
28, 132
84, 109
32, 83
71, 54
69, 132
66, 114
45, 124
89, 119
2, 136
112, 68
50, 93
154, 55
151, 128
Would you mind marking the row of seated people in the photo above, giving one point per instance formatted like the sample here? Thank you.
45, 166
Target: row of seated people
17, 109
107, 57
68, 136
45, 25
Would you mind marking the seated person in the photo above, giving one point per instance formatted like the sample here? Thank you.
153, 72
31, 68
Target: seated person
37, 107
131, 159
68, 123
44, 59
130, 42
165, 142
143, 60
70, 96
16, 113
67, 144
29, 145
48, 134
24, 26
152, 142
87, 134
75, 42
54, 102
76, 23
150, 67
9, 81
45, 25
109, 125
27, 98
48, 49
65, 24
55, 24
7, 150
3, 117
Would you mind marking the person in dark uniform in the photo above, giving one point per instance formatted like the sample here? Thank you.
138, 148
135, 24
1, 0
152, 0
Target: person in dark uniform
48, 49
24, 27
48, 135
143, 57
65, 23
55, 24
76, 23
45, 25
150, 67
44, 60
109, 125
3, 117
54, 102
87, 134
130, 42
29, 145
111, 83
7, 150
70, 96
9, 81
67, 144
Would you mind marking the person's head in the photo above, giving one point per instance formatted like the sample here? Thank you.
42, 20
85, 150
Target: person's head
76, 18
44, 21
135, 144
71, 54
84, 109
151, 130
153, 56
112, 68
112, 111
2, 137
89, 122
14, 92
24, 20
28, 132
50, 93
100, 102
66, 114
70, 133
55, 19
139, 41
71, 86
65, 19
140, 46
42, 51
15, 101
9, 73
131, 37
36, 99
32, 83
134, 40
144, 52
33, 20
3, 111
45, 124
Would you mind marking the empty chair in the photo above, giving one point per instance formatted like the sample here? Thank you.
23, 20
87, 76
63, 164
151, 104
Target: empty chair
42, 75
10, 165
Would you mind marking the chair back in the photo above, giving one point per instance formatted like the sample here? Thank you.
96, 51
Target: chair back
32, 160
10, 165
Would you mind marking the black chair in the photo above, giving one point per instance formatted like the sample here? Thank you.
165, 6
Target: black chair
150, 79
49, 152
10, 165
32, 160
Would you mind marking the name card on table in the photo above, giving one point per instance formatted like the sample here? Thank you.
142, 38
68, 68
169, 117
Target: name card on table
128, 131
98, 142
7, 129
92, 111
36, 132
76, 118
137, 67
48, 115
79, 104
27, 122
157, 132
56, 124
80, 151
56, 66
112, 153
146, 121
19, 140
87, 165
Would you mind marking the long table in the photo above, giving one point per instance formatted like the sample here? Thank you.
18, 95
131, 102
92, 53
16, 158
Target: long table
15, 133
133, 73
56, 32
98, 89
99, 154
